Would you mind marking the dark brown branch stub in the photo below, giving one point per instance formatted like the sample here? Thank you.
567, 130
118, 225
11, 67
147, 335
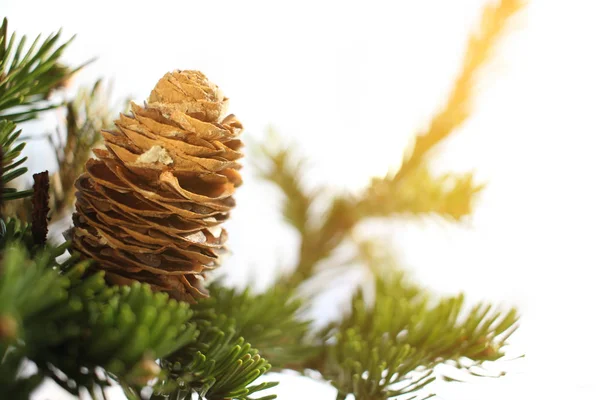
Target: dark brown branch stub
41, 207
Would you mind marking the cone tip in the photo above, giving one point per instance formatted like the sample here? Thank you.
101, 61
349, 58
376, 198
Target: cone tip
185, 86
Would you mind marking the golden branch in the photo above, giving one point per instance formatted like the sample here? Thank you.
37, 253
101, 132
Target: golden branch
492, 26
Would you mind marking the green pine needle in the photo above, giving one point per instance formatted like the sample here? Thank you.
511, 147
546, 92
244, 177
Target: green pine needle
8, 136
374, 352
271, 321
28, 78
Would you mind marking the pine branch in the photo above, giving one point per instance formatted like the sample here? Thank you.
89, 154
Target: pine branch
14, 230
241, 323
336, 224
217, 365
28, 76
124, 330
86, 117
419, 193
279, 164
271, 321
390, 347
412, 190
70, 323
11, 163
27, 289
493, 24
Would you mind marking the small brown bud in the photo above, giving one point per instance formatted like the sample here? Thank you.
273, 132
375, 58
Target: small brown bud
144, 371
9, 328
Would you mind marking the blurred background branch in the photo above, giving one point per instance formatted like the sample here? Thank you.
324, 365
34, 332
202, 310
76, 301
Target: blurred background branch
412, 190
86, 116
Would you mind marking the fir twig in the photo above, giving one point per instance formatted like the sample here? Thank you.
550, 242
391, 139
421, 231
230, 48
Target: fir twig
271, 321
493, 24
87, 115
412, 189
72, 323
390, 347
217, 365
279, 164
420, 193
27, 78
11, 164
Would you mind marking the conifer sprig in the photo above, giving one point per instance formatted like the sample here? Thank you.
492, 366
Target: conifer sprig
450, 196
272, 321
219, 364
11, 163
390, 348
28, 289
234, 326
279, 163
87, 115
29, 74
70, 324
319, 235
493, 24
389, 344
412, 190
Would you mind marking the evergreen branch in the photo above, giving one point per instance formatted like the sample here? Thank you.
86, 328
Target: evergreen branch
27, 80
70, 323
28, 286
217, 365
335, 225
390, 348
15, 231
404, 191
120, 329
270, 321
86, 117
493, 24
27, 289
279, 164
10, 161
420, 193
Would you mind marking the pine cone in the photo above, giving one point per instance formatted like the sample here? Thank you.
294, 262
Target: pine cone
150, 207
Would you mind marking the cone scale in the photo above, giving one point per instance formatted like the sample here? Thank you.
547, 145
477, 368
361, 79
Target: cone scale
150, 206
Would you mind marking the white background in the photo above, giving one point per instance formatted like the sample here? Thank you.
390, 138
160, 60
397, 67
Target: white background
350, 83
